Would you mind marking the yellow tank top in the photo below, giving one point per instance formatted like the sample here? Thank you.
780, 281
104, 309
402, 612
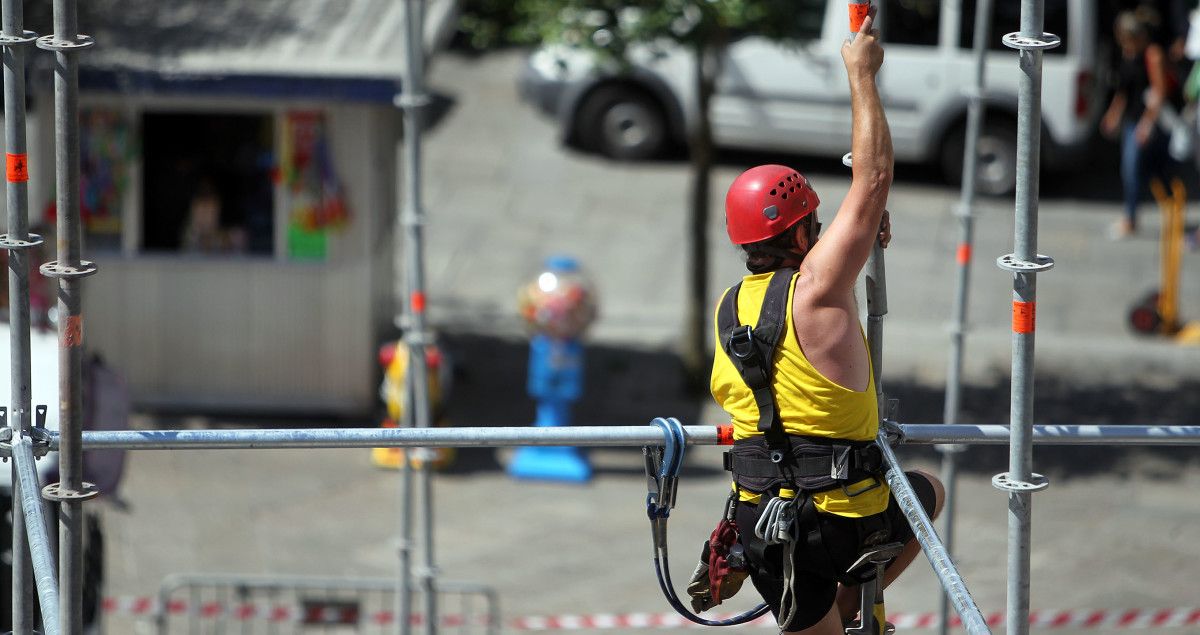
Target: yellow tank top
809, 404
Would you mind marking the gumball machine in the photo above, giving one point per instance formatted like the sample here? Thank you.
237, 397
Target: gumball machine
558, 306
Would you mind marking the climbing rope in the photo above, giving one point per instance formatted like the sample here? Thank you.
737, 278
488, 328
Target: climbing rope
662, 473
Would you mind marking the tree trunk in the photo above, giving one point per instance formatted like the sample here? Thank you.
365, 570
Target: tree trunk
697, 333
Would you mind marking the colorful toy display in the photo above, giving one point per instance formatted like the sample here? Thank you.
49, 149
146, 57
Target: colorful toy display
558, 306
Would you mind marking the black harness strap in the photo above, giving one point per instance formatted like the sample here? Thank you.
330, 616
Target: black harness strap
752, 351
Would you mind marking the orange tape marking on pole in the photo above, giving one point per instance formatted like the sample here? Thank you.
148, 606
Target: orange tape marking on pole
1024, 316
725, 435
16, 167
858, 13
964, 254
73, 333
418, 302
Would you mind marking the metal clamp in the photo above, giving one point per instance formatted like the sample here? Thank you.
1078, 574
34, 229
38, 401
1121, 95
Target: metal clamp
30, 241
1004, 481
56, 492
83, 269
52, 43
1022, 43
1010, 262
28, 37
6, 435
892, 432
40, 437
662, 468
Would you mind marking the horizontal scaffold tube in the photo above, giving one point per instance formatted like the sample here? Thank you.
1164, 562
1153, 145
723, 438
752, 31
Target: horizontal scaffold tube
589, 436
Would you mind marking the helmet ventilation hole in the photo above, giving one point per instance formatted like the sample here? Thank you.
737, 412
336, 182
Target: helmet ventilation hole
785, 196
773, 192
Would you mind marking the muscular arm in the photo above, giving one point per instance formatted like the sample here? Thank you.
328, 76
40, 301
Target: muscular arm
823, 308
835, 261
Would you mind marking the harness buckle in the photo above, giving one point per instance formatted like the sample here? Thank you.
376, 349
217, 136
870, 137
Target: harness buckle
839, 468
741, 343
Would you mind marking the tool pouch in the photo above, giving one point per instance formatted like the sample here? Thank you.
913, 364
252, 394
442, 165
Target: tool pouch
722, 568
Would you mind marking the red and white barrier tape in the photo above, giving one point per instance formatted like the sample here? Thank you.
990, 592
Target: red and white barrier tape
1106, 619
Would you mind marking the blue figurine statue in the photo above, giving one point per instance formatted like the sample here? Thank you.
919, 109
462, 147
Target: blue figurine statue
558, 306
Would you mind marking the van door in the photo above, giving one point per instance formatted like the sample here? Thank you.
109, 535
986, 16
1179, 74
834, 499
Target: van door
786, 96
914, 83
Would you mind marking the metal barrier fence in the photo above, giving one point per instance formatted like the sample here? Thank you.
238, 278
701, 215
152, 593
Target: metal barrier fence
254, 605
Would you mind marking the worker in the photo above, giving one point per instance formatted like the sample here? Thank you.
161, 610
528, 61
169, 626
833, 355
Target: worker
803, 404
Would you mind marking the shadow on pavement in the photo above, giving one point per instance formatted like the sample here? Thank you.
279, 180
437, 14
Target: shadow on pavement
1058, 402
629, 386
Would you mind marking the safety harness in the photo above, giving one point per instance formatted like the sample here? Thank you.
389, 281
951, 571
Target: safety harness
775, 461
760, 464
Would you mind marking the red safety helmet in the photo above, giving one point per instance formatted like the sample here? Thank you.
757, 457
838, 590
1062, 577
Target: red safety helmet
765, 200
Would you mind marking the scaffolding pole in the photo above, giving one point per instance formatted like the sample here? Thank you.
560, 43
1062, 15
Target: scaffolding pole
1025, 263
590, 436
939, 557
70, 492
412, 102
17, 242
34, 517
958, 329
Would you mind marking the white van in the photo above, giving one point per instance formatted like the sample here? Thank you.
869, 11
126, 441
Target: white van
794, 97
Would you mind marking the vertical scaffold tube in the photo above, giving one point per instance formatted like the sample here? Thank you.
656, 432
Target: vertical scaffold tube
965, 213
1025, 263
412, 100
18, 243
69, 268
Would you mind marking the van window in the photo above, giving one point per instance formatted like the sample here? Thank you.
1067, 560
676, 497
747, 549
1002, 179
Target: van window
912, 21
1006, 18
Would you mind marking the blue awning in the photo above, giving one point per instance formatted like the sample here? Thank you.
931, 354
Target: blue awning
346, 50
144, 82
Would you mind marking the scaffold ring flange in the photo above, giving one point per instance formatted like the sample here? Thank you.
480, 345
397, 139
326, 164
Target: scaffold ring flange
1022, 43
1004, 481
55, 492
30, 241
53, 269
29, 37
404, 100
1010, 262
52, 43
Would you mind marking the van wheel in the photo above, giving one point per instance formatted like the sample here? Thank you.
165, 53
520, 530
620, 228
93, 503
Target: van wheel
997, 167
621, 123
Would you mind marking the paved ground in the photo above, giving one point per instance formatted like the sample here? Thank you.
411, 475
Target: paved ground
1117, 529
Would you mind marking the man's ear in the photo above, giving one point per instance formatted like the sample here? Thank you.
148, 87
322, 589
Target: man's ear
801, 237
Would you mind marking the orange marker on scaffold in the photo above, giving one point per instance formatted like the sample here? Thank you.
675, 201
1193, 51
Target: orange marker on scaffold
858, 13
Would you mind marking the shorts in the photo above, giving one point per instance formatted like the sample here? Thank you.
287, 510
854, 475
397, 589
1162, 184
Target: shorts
817, 567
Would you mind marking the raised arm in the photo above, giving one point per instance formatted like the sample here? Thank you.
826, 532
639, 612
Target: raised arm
836, 260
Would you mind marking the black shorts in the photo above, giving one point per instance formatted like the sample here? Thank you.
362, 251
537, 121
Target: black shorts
817, 568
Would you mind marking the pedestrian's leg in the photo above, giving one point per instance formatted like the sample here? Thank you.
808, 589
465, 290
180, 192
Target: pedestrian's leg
1131, 178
